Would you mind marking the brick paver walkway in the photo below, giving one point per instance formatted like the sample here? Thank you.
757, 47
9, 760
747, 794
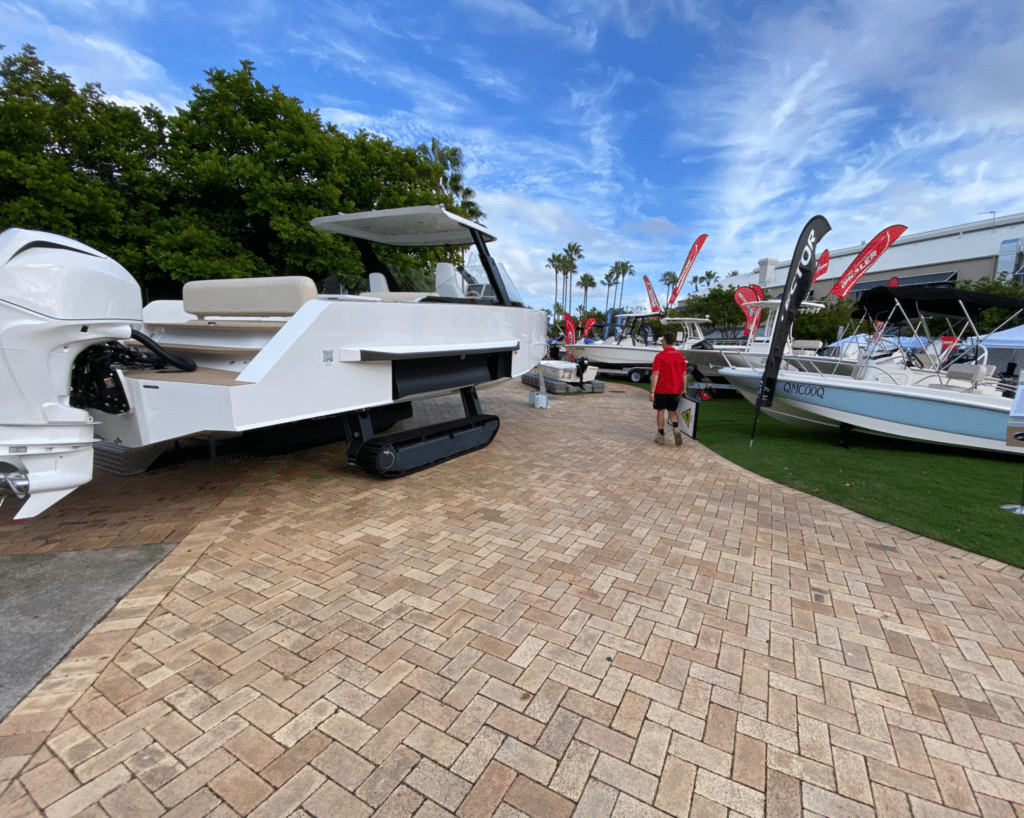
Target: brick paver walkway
572, 622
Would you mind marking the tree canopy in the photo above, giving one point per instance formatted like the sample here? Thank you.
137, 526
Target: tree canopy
223, 188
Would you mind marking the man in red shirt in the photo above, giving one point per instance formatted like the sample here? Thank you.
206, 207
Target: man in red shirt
668, 382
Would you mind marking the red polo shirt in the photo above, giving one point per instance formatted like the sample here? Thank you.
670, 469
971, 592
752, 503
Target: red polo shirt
671, 368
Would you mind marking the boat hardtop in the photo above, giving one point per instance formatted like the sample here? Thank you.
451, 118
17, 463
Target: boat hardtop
420, 226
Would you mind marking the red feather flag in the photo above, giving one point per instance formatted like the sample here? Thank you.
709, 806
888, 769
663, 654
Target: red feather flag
655, 306
822, 267
868, 256
758, 291
744, 295
587, 326
570, 329
692, 257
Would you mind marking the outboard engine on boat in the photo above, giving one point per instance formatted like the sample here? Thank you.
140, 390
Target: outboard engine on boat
582, 365
58, 297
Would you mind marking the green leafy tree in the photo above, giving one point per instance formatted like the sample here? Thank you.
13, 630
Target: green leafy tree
990, 319
824, 325
247, 168
224, 188
73, 163
720, 306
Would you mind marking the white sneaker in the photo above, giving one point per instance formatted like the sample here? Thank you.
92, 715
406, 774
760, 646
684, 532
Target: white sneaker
678, 435
659, 439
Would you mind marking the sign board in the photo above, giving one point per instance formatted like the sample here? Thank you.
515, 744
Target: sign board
688, 416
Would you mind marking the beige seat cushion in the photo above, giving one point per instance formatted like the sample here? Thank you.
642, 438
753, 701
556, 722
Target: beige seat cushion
248, 297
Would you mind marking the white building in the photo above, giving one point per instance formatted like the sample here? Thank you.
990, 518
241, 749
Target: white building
966, 252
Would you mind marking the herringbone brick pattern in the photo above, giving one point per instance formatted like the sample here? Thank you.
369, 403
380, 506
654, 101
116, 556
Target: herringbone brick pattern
571, 622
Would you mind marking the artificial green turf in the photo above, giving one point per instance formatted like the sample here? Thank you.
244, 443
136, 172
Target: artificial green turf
950, 494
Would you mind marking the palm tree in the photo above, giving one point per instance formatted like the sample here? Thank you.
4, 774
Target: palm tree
586, 282
556, 261
448, 165
625, 269
616, 274
669, 279
572, 253
608, 280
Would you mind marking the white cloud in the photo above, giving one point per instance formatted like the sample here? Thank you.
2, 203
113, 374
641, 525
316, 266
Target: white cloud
870, 113
92, 57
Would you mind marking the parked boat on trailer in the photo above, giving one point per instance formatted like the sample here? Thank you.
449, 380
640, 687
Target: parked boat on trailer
633, 343
946, 393
84, 360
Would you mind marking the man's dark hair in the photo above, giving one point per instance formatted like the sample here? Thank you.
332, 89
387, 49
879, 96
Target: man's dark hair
669, 338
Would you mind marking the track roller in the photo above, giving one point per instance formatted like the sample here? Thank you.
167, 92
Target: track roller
406, 452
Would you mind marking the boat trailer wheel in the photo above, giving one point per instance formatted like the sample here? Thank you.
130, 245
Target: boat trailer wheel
636, 375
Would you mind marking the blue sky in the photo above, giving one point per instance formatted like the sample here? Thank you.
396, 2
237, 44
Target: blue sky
630, 128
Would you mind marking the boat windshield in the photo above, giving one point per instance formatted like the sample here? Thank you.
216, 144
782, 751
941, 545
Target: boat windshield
483, 291
413, 278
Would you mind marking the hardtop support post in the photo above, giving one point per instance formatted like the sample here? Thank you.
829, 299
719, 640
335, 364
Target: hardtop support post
497, 282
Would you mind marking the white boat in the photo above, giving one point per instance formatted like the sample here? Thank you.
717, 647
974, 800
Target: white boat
708, 358
568, 371
83, 361
633, 345
944, 395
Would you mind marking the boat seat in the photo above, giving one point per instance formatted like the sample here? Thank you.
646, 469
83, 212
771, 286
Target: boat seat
278, 297
975, 373
379, 289
447, 281
806, 346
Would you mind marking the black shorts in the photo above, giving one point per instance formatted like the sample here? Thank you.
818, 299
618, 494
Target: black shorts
662, 401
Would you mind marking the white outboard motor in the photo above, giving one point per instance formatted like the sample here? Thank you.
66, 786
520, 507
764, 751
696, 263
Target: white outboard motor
57, 297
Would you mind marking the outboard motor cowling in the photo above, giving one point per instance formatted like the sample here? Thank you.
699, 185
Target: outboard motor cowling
57, 297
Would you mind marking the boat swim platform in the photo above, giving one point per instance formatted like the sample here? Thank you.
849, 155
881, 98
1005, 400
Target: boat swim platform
571, 621
557, 387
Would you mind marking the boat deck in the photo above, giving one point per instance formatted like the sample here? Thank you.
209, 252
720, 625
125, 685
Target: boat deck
570, 622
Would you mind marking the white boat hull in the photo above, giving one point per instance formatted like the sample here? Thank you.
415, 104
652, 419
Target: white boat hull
924, 413
610, 355
330, 357
565, 372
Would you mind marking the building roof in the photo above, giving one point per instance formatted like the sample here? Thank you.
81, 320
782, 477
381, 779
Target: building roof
947, 245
